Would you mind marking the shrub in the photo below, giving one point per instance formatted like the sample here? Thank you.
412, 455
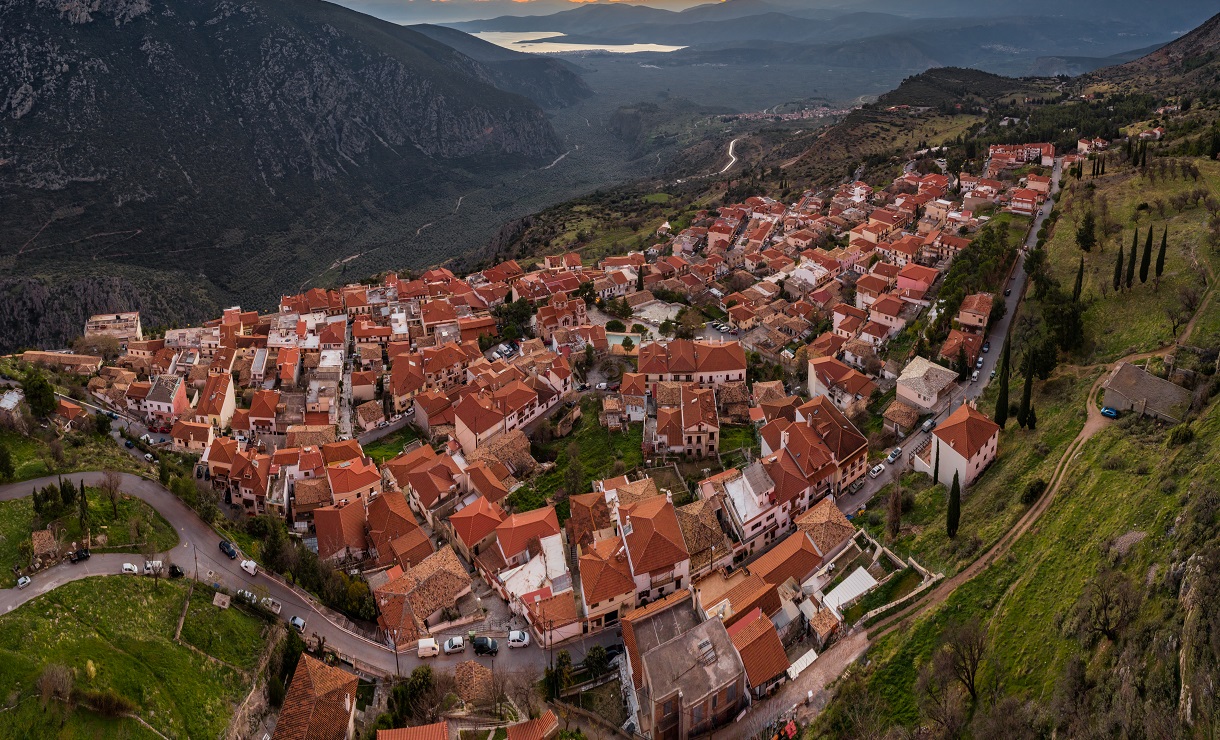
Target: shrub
1180, 435
615, 325
107, 702
1033, 491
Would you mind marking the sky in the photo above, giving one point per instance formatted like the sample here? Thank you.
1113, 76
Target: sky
446, 11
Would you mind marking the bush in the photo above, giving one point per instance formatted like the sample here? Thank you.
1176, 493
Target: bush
1180, 435
907, 502
1033, 491
107, 702
615, 325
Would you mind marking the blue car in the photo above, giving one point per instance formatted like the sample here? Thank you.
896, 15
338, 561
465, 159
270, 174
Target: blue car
227, 548
1109, 413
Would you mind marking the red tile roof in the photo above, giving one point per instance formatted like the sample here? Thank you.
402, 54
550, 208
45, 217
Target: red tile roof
319, 703
761, 651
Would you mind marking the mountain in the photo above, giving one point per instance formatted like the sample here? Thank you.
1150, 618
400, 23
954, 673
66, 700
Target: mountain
1052, 66
591, 18
550, 82
1188, 63
233, 144
771, 26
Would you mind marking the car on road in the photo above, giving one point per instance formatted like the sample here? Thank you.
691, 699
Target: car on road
974, 376
1109, 413
227, 548
1008, 291
152, 567
877, 470
856, 486
613, 651
894, 455
518, 639
428, 648
149, 458
486, 646
454, 645
297, 624
250, 567
112, 415
78, 555
23, 581
271, 605
986, 347
129, 444
979, 363
130, 569
176, 572
600, 386
993, 373
247, 596
927, 425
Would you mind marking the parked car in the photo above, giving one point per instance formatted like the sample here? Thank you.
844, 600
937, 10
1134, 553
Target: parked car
152, 567
146, 439
986, 347
454, 645
613, 651
129, 444
78, 555
112, 415
297, 624
1008, 291
130, 569
1109, 413
486, 646
518, 639
247, 596
428, 648
979, 363
856, 486
928, 425
877, 470
149, 458
176, 572
23, 581
600, 386
227, 548
271, 605
974, 376
250, 567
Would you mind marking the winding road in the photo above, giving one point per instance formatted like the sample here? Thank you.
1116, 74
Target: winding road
198, 553
732, 156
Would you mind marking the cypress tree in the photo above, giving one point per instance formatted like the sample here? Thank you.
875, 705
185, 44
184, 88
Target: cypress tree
936, 465
1135, 242
1028, 392
1079, 280
1103, 166
1032, 421
1118, 271
1001, 401
1146, 261
963, 368
1160, 256
954, 514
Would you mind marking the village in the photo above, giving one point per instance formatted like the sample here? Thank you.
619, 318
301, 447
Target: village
760, 373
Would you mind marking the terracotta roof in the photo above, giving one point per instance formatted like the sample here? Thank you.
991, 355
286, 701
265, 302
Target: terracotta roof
432, 585
319, 703
389, 520
761, 651
556, 611
340, 529
516, 532
436, 731
542, 728
334, 452
826, 526
474, 522
926, 378
311, 492
653, 535
967, 430
604, 572
589, 513
793, 557
189, 431
474, 682
701, 531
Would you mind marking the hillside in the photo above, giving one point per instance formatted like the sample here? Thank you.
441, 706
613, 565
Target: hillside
1191, 62
136, 132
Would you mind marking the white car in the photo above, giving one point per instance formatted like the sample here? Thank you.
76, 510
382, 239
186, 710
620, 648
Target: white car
247, 596
517, 639
23, 581
876, 471
250, 567
454, 645
600, 386
271, 605
297, 624
130, 568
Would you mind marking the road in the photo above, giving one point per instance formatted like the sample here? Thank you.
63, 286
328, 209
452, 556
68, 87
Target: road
732, 156
198, 553
995, 335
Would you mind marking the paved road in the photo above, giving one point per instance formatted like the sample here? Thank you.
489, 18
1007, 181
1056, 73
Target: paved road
991, 360
198, 553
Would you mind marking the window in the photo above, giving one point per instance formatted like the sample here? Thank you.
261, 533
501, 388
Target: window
731, 694
668, 708
697, 715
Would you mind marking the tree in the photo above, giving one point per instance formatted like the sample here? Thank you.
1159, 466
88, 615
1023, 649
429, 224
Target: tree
1135, 241
963, 366
1118, 271
667, 328
954, 513
67, 493
1160, 256
639, 279
596, 661
83, 510
6, 464
1001, 403
940, 700
1032, 420
574, 475
38, 393
1028, 392
628, 344
936, 465
55, 683
1086, 233
965, 644
893, 513
111, 487
1079, 281
1146, 260
1108, 603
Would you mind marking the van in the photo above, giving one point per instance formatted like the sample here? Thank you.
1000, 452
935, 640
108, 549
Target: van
974, 376
428, 648
927, 425
250, 567
152, 566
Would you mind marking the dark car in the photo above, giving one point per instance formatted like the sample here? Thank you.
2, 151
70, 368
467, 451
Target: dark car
78, 555
176, 572
227, 548
1008, 291
613, 651
129, 444
486, 646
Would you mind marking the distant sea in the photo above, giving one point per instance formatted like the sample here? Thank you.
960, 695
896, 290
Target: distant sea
527, 41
